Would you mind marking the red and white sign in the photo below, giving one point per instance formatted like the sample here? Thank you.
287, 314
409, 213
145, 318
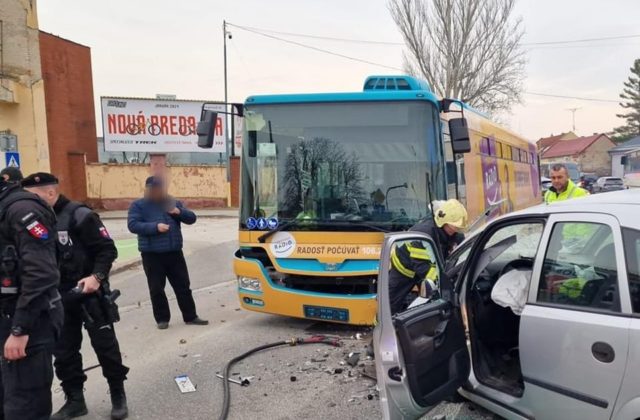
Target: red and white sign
156, 125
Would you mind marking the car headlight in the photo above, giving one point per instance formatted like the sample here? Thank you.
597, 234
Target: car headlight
249, 283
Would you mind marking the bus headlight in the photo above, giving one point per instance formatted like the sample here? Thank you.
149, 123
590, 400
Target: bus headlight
249, 283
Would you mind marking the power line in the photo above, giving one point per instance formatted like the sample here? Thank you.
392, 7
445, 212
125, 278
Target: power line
326, 38
570, 97
575, 41
376, 42
310, 47
299, 44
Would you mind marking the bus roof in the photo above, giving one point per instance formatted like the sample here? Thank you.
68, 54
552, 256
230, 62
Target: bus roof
376, 88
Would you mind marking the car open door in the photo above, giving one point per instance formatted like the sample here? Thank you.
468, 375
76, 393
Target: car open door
421, 353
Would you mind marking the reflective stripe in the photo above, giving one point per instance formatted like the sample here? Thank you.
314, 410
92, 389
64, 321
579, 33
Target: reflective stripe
397, 264
418, 253
401, 268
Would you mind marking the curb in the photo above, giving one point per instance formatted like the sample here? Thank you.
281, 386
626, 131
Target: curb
125, 267
203, 216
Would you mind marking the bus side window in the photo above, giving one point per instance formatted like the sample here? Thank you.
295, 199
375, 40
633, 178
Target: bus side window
454, 168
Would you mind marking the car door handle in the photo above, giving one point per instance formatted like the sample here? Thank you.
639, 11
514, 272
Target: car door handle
603, 352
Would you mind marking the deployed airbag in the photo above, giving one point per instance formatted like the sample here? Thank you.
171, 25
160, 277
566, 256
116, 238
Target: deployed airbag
510, 291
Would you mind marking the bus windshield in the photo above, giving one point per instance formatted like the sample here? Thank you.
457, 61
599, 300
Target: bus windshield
341, 166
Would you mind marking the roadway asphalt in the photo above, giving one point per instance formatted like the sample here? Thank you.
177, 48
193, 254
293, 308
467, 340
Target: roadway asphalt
156, 357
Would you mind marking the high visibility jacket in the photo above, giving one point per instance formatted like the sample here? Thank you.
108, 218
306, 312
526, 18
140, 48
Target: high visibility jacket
572, 191
414, 262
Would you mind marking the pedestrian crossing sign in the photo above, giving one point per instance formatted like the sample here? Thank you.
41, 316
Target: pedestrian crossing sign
12, 159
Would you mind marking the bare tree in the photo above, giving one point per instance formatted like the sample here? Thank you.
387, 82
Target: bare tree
466, 49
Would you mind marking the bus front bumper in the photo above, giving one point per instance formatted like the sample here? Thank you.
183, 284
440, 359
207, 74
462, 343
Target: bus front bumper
257, 292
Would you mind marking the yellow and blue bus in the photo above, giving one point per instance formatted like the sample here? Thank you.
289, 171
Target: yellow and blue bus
323, 176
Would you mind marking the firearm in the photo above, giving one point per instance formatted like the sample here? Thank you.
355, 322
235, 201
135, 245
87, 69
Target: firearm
98, 308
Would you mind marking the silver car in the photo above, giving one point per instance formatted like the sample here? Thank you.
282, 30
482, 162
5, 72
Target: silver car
537, 317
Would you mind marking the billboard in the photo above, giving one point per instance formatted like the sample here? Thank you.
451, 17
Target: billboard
157, 125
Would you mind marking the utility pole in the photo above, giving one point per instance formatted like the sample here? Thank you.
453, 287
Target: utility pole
573, 112
226, 34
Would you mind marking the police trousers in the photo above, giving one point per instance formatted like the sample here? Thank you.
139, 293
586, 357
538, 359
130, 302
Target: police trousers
68, 360
26, 383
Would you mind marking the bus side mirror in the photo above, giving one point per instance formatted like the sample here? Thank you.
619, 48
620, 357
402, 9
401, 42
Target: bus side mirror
252, 140
206, 129
459, 135
623, 160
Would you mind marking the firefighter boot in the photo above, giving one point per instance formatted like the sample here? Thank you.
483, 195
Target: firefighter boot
73, 407
119, 409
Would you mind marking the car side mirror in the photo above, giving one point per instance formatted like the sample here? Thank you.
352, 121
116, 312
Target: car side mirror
206, 129
252, 143
459, 132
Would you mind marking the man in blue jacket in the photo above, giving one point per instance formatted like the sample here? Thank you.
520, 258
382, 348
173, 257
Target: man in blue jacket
156, 219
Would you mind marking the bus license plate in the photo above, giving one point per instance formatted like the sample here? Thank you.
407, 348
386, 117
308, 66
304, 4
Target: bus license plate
326, 314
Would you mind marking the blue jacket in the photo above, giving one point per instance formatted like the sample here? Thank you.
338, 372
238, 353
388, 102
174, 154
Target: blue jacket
144, 216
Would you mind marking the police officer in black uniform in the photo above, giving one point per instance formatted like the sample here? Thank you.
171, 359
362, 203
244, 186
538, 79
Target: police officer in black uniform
86, 253
29, 303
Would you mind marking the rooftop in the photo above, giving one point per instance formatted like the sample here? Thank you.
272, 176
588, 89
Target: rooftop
571, 147
628, 145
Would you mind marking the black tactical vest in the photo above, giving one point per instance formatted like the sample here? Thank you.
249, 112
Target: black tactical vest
9, 258
72, 256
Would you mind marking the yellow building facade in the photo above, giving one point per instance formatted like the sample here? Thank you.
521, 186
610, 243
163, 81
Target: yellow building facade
22, 100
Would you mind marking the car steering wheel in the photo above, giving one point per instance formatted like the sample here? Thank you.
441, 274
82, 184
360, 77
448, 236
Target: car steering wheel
515, 264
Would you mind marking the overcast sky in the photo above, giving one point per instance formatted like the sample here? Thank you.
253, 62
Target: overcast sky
143, 47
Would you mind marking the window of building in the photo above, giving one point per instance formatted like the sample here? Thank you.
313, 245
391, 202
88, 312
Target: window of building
580, 267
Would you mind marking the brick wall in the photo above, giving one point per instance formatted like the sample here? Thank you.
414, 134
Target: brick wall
235, 181
71, 124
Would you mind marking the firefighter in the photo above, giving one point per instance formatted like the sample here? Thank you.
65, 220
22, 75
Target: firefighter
412, 264
30, 304
86, 253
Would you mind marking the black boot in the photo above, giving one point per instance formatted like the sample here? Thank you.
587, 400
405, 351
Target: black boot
73, 407
119, 408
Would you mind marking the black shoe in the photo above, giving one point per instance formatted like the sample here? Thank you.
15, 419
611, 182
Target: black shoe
119, 409
163, 325
197, 321
73, 407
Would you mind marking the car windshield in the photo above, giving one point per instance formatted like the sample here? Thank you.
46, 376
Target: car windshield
336, 162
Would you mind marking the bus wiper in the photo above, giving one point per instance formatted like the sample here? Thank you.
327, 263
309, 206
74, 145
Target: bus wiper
283, 226
354, 223
343, 223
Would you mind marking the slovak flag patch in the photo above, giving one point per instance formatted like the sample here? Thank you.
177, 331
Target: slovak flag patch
104, 233
38, 230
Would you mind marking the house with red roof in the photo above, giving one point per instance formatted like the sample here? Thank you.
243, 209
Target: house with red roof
546, 142
590, 153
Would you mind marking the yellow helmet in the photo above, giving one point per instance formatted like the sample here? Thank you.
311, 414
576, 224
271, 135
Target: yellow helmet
453, 213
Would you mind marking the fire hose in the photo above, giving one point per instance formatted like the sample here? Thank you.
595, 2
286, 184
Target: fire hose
317, 339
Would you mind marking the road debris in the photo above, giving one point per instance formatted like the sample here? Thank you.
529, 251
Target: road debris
184, 384
241, 382
183, 341
353, 359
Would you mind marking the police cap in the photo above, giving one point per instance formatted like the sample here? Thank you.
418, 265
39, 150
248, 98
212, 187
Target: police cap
39, 179
11, 174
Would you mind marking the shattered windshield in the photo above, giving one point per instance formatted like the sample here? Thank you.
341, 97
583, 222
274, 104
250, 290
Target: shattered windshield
341, 162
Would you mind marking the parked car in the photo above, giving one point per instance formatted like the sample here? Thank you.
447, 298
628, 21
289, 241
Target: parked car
537, 316
587, 181
607, 184
545, 184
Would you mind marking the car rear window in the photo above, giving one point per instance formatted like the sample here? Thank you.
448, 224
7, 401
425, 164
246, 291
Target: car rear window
613, 181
